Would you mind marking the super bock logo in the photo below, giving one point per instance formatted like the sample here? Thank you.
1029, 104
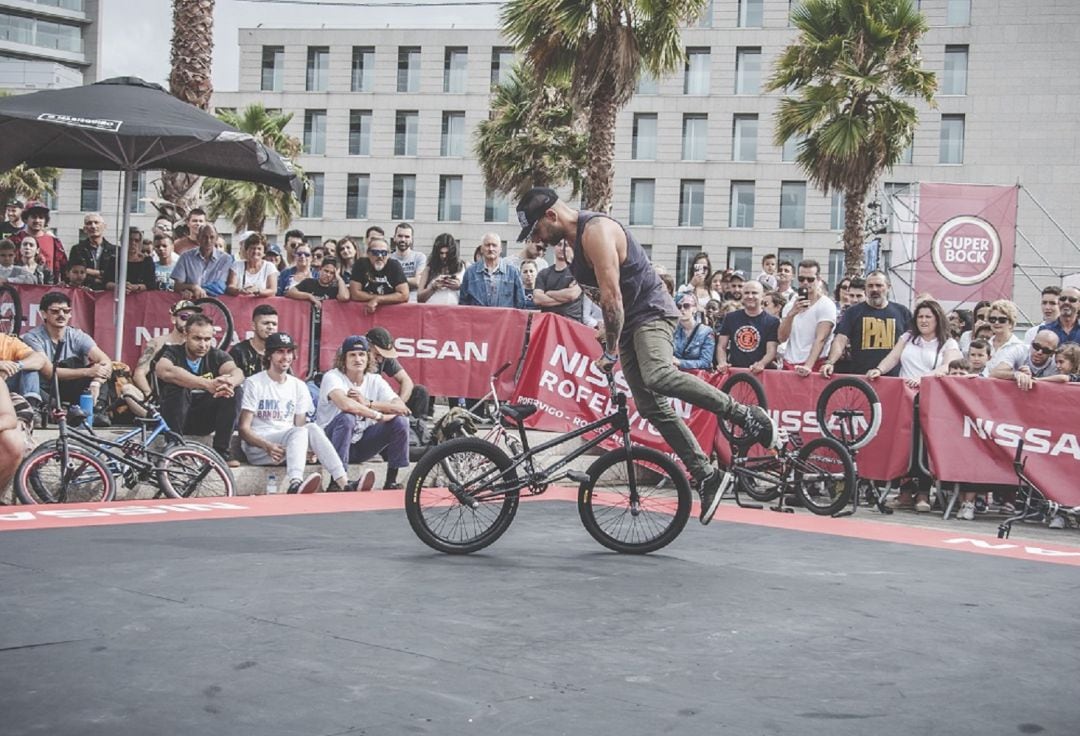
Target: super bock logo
966, 250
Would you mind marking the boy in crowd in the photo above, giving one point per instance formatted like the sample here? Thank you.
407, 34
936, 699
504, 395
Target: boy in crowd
978, 357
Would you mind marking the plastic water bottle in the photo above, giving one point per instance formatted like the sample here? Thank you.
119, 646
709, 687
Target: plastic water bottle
271, 484
86, 403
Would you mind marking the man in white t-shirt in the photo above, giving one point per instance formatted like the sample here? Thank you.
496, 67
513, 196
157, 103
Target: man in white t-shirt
273, 422
807, 323
361, 414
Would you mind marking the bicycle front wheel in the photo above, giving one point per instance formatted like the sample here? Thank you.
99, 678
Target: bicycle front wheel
457, 499
194, 471
634, 505
42, 477
824, 476
849, 411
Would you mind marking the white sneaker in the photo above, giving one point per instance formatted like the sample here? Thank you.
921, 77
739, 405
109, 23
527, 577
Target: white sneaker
1058, 522
967, 511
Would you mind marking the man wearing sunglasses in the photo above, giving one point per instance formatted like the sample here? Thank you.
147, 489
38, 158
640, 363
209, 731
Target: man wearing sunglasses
807, 323
141, 382
1065, 326
1024, 363
378, 280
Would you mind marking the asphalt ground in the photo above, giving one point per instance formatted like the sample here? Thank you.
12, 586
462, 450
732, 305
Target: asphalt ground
325, 615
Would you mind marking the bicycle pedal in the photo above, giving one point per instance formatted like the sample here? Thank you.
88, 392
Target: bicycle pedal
578, 476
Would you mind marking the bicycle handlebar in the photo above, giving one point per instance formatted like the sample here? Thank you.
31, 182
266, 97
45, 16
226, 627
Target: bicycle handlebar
499, 372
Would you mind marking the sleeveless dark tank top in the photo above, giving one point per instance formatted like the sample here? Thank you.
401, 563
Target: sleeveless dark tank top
643, 293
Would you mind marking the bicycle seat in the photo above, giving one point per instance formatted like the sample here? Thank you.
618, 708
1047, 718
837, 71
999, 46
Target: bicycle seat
517, 412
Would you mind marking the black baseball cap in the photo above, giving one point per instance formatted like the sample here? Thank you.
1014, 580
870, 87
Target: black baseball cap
279, 341
382, 342
532, 206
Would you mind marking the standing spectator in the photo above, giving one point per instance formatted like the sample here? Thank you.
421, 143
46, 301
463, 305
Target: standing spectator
979, 314
164, 261
807, 323
329, 247
303, 269
202, 271
441, 278
30, 259
75, 274
491, 281
162, 226
361, 414
1068, 364
96, 252
767, 277
11, 224
198, 385
713, 315
50, 250
868, 332
19, 366
293, 240
1025, 363
698, 286
529, 252
1002, 318
377, 279
194, 222
255, 276
249, 355
840, 293
694, 343
318, 253
774, 303
372, 232
140, 269
1048, 303
736, 280
327, 285
960, 322
383, 359
556, 290
785, 275
748, 336
273, 254
1066, 326
11, 272
528, 282
348, 257
978, 357
412, 261
273, 422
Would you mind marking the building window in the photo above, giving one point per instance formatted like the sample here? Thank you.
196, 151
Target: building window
318, 68
406, 126
696, 78
790, 151
751, 13
836, 211
957, 12
642, 197
408, 69
742, 204
496, 207
403, 204
744, 138
792, 205
313, 205
359, 132
952, 139
363, 68
455, 67
954, 80
273, 68
691, 203
795, 255
890, 207
449, 198
836, 267
502, 63
356, 196
684, 260
52, 199
90, 191
694, 133
705, 19
453, 134
647, 84
315, 132
138, 194
748, 71
741, 259
907, 155
643, 144
42, 33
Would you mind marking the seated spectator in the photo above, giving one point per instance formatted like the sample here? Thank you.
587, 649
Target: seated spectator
96, 252
748, 336
48, 251
30, 260
249, 355
361, 414
694, 342
348, 256
10, 272
302, 269
19, 366
198, 383
528, 282
164, 261
441, 278
377, 280
143, 378
1068, 364
978, 357
140, 269
1025, 363
556, 290
327, 285
79, 363
491, 281
255, 276
273, 426
960, 367
186, 235
1002, 318
384, 362
202, 271
13, 437
807, 324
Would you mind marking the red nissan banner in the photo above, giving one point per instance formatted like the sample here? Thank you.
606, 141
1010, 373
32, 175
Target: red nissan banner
452, 350
82, 306
967, 237
973, 426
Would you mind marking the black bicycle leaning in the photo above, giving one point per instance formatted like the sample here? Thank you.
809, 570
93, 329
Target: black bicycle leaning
463, 493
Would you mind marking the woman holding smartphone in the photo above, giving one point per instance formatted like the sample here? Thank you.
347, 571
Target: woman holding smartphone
441, 278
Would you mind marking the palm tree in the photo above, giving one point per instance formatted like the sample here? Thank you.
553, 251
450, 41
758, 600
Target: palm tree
533, 137
600, 48
850, 69
189, 79
249, 205
20, 181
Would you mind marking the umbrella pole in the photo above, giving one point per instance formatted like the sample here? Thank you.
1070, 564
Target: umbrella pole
121, 263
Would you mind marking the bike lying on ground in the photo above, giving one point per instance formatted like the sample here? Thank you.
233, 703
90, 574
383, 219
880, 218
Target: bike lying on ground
464, 493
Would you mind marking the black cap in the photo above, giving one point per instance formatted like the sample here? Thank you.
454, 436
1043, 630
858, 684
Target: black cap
382, 342
532, 207
279, 341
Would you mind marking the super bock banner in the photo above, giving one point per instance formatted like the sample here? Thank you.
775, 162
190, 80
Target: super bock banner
967, 235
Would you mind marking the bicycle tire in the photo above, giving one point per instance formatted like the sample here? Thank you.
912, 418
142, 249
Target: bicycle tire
11, 316
755, 487
745, 389
440, 518
844, 395
222, 318
91, 480
824, 476
190, 470
605, 507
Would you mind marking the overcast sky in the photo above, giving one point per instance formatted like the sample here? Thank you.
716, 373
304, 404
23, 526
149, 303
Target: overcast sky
136, 33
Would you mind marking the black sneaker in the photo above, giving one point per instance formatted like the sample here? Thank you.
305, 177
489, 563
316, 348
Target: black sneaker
759, 427
711, 489
294, 486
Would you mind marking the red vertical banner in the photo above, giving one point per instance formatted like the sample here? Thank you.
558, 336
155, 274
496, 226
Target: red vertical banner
967, 239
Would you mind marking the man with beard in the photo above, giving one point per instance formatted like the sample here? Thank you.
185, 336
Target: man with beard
11, 223
1065, 326
378, 279
867, 331
412, 261
639, 327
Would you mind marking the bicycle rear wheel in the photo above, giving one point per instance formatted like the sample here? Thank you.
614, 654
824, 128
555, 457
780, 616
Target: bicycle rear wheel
194, 471
745, 389
10, 310
636, 521
43, 478
455, 499
824, 476
220, 315
761, 479
849, 411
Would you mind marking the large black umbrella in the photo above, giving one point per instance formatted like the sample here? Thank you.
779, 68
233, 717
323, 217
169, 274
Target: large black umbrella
126, 124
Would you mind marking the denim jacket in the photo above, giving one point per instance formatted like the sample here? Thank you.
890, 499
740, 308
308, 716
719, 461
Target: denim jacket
508, 290
695, 350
